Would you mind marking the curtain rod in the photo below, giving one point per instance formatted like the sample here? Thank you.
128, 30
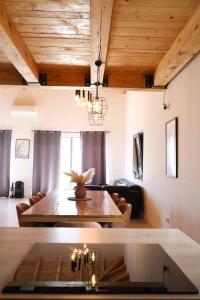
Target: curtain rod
70, 131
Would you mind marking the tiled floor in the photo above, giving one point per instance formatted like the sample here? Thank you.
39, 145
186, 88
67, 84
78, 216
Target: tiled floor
8, 215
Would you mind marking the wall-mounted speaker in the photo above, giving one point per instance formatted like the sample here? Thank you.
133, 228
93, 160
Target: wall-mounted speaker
19, 189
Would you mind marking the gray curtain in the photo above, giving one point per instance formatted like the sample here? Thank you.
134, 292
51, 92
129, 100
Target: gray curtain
5, 145
46, 161
93, 145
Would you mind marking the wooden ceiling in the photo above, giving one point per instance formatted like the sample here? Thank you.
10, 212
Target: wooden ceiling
61, 38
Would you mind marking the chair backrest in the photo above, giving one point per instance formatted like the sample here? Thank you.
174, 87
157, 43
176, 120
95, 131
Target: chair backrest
33, 200
126, 209
41, 195
115, 196
78, 224
21, 207
120, 201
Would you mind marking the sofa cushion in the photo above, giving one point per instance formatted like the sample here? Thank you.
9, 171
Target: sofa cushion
126, 182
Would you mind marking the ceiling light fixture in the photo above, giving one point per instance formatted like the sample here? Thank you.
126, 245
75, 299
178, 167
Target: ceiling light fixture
97, 106
82, 97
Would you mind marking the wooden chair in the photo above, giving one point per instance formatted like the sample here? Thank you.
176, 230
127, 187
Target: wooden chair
33, 200
126, 209
114, 196
78, 224
41, 195
120, 201
21, 207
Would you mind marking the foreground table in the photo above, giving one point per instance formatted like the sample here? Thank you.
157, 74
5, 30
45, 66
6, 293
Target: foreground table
16, 242
56, 207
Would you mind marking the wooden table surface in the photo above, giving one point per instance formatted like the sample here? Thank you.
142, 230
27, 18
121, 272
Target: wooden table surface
16, 243
56, 207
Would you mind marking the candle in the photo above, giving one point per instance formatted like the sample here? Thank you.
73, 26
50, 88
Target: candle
73, 262
79, 259
93, 257
87, 255
93, 280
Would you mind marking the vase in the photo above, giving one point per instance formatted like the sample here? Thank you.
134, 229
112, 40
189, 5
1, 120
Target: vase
80, 191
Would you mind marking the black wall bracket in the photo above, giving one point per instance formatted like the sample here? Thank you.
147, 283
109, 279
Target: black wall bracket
88, 81
42, 80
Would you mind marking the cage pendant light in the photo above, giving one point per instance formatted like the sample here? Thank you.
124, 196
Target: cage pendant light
97, 106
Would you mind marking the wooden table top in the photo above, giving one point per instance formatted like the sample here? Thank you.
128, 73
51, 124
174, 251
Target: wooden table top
56, 207
17, 242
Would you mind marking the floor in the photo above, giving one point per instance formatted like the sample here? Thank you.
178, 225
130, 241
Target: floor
8, 215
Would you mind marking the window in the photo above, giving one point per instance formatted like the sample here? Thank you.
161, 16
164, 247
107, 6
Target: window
70, 158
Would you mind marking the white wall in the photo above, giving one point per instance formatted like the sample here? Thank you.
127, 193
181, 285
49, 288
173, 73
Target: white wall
58, 111
176, 199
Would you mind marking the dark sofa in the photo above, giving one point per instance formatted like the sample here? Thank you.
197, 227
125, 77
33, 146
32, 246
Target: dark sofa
131, 192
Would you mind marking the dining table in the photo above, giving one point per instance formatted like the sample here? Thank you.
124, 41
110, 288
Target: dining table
56, 206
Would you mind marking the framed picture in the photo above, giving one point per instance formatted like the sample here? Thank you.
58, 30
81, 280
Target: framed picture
138, 155
171, 130
22, 148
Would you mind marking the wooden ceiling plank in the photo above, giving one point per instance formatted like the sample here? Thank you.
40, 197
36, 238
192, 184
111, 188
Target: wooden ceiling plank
82, 23
59, 42
67, 15
158, 3
101, 13
140, 43
62, 30
60, 50
130, 11
50, 5
184, 48
147, 24
54, 36
146, 32
15, 49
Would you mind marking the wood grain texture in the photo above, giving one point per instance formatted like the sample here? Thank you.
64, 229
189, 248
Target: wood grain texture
53, 20
185, 47
101, 14
150, 26
15, 48
60, 75
65, 34
9, 75
50, 5
180, 247
56, 207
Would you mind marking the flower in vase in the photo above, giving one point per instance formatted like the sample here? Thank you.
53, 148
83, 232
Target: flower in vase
86, 177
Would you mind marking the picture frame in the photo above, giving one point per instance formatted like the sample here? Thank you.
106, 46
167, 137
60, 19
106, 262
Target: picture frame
171, 135
138, 155
22, 148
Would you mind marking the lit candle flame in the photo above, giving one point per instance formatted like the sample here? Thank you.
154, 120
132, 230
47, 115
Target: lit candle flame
93, 257
93, 280
73, 257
